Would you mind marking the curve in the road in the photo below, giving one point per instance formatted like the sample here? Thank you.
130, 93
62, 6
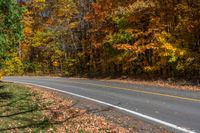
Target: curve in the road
121, 108
140, 91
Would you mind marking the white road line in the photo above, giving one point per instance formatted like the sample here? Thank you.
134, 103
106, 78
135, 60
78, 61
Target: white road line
114, 106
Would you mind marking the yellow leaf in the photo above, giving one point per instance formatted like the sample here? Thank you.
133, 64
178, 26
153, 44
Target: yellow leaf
27, 30
56, 64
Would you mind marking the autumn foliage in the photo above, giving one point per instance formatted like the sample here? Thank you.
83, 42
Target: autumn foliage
159, 38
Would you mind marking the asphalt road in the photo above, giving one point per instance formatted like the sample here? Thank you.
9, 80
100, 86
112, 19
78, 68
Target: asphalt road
163, 106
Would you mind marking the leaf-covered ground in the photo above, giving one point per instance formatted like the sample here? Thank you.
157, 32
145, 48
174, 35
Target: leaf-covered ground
178, 85
28, 109
169, 83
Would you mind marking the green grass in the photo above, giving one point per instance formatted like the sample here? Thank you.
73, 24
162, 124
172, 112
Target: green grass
21, 111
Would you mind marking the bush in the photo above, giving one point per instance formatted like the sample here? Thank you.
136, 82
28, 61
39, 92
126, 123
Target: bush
30, 67
13, 66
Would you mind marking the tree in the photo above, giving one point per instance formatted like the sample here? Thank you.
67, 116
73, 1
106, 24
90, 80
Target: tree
157, 38
11, 29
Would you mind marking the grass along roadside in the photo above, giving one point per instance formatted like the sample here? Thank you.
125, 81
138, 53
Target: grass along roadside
29, 109
20, 110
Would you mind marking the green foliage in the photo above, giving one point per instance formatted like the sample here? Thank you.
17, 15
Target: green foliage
121, 37
30, 67
70, 66
11, 28
120, 22
11, 33
108, 47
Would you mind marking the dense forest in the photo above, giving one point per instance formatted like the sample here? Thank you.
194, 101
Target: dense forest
137, 38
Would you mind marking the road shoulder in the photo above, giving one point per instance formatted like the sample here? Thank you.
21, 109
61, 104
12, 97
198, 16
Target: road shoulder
119, 119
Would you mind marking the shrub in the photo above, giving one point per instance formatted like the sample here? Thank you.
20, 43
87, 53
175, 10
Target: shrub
13, 66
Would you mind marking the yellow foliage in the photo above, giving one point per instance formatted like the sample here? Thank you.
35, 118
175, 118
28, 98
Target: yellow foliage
37, 44
28, 13
149, 69
56, 64
181, 52
13, 66
73, 25
124, 47
27, 30
61, 13
58, 53
1, 75
39, 1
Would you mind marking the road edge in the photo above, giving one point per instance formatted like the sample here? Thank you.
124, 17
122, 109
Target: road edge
173, 126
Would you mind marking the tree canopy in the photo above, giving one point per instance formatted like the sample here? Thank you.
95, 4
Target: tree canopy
151, 38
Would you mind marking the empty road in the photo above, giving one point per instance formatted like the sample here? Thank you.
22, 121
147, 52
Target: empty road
175, 109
